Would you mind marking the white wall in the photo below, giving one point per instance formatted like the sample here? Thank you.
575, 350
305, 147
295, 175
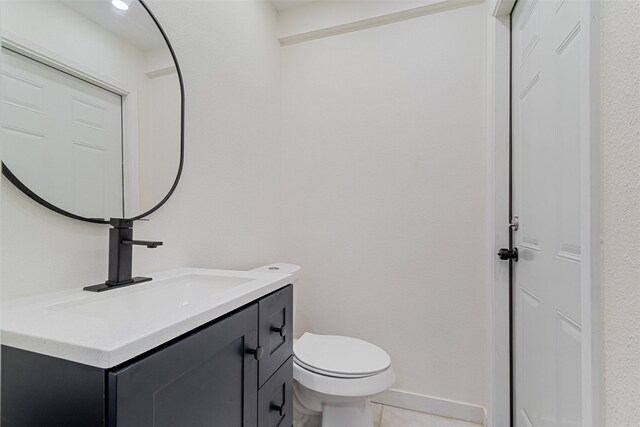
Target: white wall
223, 213
383, 197
621, 210
160, 154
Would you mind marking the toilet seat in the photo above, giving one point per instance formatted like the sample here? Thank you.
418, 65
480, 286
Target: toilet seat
327, 373
344, 387
339, 356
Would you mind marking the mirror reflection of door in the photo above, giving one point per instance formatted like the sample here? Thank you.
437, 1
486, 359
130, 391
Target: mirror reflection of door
69, 130
91, 105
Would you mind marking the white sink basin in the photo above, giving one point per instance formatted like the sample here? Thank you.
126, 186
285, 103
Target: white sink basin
147, 303
108, 328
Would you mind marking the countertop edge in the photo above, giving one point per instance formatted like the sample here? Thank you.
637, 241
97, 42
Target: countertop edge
107, 359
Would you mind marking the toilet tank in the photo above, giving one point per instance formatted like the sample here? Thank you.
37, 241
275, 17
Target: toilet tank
283, 267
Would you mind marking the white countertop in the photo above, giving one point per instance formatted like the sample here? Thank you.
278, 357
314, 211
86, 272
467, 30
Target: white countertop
108, 328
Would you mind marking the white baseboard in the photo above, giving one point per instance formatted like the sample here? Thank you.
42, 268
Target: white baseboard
432, 405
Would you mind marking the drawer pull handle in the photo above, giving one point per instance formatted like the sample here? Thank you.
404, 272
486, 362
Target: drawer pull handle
282, 330
278, 408
257, 353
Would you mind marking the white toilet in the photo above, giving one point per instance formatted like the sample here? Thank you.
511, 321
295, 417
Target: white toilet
334, 376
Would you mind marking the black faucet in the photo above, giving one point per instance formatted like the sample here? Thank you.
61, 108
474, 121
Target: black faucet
120, 256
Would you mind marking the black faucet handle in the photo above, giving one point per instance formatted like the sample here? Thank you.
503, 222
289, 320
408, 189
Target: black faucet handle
147, 243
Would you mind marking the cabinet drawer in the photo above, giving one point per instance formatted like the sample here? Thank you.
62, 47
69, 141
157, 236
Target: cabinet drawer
275, 398
275, 334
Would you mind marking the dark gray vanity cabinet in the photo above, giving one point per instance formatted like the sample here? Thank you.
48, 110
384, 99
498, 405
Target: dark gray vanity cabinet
234, 371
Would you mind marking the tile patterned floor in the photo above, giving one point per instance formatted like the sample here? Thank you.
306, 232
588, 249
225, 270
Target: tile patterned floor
389, 416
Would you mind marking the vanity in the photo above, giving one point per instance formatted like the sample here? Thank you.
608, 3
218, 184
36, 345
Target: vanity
192, 347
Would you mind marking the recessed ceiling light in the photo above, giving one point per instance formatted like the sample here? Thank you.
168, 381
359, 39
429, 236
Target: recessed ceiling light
120, 4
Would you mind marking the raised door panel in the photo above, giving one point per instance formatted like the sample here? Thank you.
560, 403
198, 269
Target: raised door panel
276, 327
205, 379
275, 398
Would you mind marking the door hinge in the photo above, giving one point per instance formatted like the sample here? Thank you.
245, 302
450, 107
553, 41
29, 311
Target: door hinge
515, 223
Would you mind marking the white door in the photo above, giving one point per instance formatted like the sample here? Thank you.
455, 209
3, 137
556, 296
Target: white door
62, 137
547, 80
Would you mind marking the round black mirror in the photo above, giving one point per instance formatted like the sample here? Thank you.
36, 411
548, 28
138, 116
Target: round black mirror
92, 111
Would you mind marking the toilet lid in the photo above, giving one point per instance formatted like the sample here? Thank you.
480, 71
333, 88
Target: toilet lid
339, 356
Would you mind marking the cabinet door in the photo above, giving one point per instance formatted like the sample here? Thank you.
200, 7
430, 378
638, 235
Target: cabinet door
205, 379
275, 398
276, 331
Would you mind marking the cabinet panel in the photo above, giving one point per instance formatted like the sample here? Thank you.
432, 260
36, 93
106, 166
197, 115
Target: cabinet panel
276, 331
40, 390
207, 378
275, 398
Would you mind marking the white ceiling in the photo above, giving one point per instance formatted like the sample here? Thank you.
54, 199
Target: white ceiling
287, 4
134, 25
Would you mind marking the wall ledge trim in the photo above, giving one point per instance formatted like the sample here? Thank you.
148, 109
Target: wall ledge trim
501, 7
429, 9
433, 405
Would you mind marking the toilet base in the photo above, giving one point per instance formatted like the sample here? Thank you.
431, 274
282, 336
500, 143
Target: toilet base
331, 412
352, 414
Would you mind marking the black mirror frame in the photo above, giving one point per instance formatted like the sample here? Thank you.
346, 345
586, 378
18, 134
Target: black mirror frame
33, 196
